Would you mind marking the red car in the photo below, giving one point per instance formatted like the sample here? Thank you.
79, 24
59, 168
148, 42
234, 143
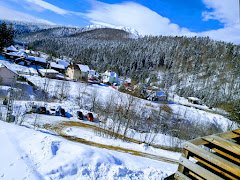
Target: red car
90, 116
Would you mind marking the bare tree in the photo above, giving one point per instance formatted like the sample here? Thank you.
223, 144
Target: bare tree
81, 95
62, 90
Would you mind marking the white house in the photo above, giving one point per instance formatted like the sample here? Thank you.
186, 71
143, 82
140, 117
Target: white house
78, 72
110, 77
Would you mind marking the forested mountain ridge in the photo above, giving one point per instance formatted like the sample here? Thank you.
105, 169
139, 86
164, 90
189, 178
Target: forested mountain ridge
196, 66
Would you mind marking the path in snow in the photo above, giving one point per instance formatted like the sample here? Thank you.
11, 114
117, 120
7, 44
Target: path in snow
58, 128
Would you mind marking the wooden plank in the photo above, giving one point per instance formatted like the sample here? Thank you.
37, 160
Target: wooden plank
184, 154
215, 168
214, 159
198, 169
235, 159
195, 176
226, 135
237, 131
225, 144
179, 176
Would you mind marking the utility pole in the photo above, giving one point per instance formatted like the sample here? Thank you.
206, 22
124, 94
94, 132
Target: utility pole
9, 117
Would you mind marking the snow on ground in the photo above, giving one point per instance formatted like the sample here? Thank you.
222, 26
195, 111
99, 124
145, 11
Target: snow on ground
202, 115
29, 154
91, 136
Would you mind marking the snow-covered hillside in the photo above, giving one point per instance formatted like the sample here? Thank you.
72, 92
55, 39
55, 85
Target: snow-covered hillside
30, 154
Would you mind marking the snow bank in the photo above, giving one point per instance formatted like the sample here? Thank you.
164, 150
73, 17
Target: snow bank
32, 154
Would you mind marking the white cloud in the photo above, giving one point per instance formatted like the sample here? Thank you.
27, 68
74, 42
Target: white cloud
136, 16
47, 6
10, 14
229, 34
226, 11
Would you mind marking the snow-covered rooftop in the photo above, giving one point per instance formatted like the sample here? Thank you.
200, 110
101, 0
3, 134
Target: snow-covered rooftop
63, 62
12, 48
58, 66
83, 68
52, 71
18, 54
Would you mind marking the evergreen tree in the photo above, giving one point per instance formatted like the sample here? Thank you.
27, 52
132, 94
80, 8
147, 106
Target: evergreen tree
6, 35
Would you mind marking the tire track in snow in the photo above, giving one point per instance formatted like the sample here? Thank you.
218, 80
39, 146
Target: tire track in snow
58, 128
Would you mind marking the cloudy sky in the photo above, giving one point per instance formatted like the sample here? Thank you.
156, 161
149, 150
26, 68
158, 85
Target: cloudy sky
218, 19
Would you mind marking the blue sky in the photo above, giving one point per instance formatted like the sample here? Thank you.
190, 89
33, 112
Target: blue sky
215, 18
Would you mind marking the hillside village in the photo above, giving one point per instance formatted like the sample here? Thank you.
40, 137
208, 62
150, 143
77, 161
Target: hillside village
63, 117
43, 65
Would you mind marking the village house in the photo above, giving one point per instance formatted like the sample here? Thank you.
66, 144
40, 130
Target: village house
93, 76
38, 61
58, 67
158, 96
16, 55
110, 77
50, 73
78, 72
11, 49
8, 77
63, 62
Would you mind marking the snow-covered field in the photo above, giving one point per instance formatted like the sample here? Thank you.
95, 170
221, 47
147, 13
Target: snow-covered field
30, 154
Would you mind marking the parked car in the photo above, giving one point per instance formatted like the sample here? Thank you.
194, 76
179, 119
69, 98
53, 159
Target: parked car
62, 112
34, 109
42, 110
80, 115
90, 116
52, 110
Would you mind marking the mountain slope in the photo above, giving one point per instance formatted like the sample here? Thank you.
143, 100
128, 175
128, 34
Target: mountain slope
189, 66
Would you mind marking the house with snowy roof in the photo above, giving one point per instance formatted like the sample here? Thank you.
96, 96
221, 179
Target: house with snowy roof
11, 49
93, 76
63, 62
110, 77
8, 76
50, 73
78, 72
58, 67
38, 61
16, 55
158, 96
